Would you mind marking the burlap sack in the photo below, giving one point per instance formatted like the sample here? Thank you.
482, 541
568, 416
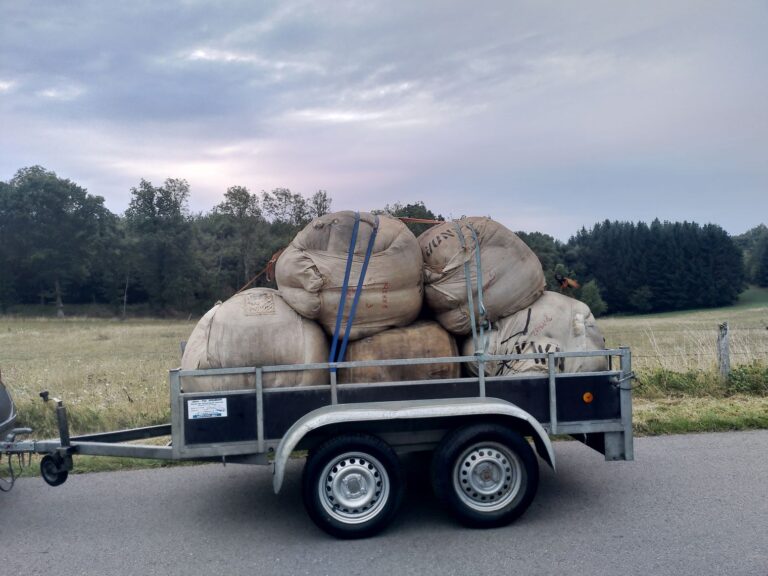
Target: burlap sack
254, 328
512, 274
310, 273
554, 323
422, 339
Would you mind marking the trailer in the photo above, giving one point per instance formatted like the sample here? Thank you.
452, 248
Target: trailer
483, 433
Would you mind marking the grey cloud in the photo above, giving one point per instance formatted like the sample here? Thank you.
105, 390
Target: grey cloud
634, 107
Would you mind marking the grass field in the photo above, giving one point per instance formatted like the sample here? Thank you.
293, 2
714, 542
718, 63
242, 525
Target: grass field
674, 355
113, 374
682, 341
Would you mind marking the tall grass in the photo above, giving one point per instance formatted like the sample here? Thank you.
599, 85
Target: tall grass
111, 374
679, 388
686, 341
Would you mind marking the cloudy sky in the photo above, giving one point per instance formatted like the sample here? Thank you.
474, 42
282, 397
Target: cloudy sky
544, 115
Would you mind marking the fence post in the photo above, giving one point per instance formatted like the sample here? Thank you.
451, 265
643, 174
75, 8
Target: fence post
723, 355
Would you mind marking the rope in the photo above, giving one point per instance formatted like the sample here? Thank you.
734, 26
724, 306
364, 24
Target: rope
272, 262
269, 270
409, 220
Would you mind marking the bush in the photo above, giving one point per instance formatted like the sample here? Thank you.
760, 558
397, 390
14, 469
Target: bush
696, 383
590, 295
749, 379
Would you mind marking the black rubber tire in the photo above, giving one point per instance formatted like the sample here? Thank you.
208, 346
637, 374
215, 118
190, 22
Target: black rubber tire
490, 453
368, 462
51, 471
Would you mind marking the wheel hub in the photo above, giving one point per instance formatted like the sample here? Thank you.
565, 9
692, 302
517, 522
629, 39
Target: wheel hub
355, 486
487, 476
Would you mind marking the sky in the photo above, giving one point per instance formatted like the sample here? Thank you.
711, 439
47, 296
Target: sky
546, 116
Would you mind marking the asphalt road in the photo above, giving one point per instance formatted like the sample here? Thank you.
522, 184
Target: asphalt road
693, 505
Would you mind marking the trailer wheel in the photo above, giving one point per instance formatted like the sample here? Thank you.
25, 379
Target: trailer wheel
51, 470
486, 474
352, 485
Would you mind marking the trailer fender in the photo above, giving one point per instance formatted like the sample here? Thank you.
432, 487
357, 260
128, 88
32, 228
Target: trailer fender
405, 410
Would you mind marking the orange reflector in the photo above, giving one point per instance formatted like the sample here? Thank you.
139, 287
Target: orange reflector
588, 397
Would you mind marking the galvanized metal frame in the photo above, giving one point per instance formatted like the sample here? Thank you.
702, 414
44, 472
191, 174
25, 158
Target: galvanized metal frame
623, 426
618, 433
625, 399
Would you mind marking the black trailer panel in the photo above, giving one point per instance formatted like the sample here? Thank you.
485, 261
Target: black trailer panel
283, 407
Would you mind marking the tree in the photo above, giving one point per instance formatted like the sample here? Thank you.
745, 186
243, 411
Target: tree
753, 243
641, 300
319, 204
51, 233
284, 207
664, 266
760, 262
8, 260
590, 295
242, 215
415, 210
550, 253
163, 242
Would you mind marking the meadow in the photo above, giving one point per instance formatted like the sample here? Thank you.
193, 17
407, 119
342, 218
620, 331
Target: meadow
114, 374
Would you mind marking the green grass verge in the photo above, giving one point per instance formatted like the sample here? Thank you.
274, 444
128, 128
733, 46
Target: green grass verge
82, 419
668, 402
746, 379
688, 415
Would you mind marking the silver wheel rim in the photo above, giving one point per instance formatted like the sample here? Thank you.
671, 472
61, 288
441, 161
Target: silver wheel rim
354, 487
487, 476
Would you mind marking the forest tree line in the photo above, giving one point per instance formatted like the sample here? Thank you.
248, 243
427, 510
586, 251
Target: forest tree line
60, 245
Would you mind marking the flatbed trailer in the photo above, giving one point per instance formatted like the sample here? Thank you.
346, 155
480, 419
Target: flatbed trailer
483, 467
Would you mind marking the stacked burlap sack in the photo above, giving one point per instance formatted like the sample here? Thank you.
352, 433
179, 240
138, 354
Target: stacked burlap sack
254, 328
523, 318
405, 278
554, 323
310, 273
512, 277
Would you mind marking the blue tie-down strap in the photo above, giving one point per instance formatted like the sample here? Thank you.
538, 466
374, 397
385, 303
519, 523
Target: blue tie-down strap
359, 289
344, 288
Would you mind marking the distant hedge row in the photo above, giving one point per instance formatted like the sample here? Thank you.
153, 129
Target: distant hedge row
60, 245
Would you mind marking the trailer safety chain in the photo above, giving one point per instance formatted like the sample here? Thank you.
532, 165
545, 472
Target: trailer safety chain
6, 484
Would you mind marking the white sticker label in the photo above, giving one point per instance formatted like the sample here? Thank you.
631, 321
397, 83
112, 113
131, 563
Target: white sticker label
207, 408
